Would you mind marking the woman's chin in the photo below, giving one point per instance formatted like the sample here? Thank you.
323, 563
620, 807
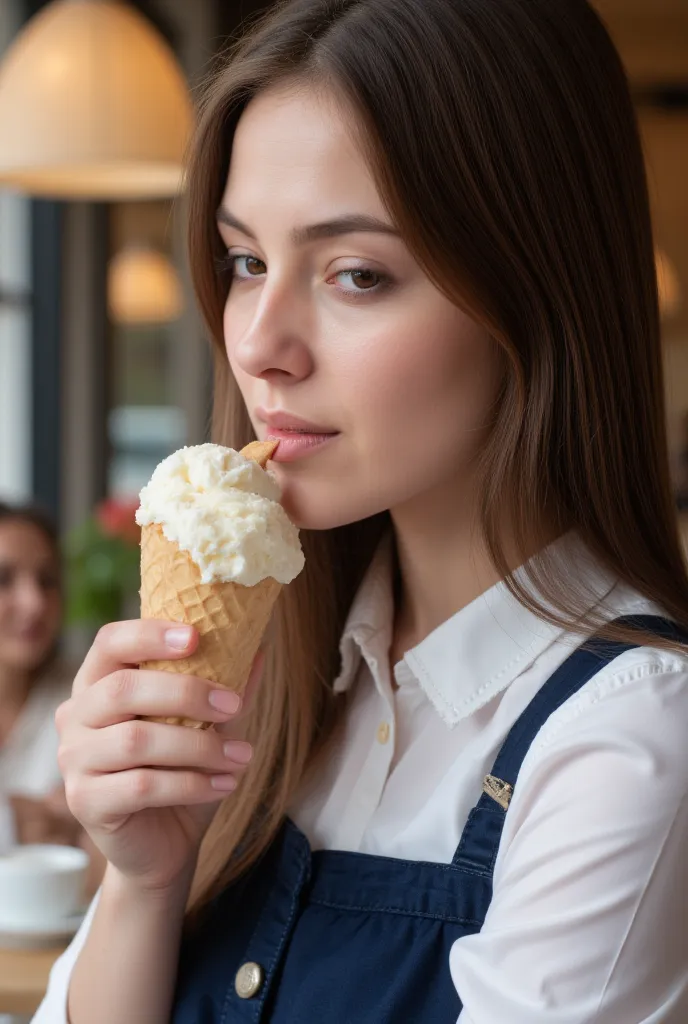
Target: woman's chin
307, 515
321, 516
304, 520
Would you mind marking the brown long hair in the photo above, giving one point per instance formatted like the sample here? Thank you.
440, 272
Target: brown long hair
504, 142
33, 515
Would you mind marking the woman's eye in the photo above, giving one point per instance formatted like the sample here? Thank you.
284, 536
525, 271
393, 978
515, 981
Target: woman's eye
354, 282
362, 280
6, 577
246, 267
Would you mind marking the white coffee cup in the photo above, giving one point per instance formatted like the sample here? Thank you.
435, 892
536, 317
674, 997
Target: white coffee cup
41, 883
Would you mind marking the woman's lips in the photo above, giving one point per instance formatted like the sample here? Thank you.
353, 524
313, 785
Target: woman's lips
297, 444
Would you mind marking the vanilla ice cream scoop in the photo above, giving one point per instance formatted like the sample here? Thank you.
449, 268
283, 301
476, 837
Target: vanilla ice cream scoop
224, 510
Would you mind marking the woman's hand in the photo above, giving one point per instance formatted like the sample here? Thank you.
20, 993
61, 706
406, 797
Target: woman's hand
146, 792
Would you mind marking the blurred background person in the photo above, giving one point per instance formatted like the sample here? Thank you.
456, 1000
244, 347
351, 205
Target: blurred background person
33, 682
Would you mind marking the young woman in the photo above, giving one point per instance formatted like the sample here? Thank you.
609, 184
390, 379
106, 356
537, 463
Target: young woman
420, 234
32, 681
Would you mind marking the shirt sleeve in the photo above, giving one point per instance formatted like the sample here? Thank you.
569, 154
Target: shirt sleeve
53, 1009
588, 918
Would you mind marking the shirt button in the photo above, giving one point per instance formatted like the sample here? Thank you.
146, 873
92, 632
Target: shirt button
249, 980
383, 732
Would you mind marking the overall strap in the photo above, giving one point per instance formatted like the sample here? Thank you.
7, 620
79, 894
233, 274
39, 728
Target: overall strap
479, 844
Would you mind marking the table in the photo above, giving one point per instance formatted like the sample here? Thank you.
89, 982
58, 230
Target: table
24, 978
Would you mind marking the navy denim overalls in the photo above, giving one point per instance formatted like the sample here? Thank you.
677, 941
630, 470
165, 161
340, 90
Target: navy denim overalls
350, 938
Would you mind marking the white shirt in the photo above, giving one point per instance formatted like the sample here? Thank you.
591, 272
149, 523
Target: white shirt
590, 895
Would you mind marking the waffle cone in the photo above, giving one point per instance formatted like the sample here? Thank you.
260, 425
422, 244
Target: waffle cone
230, 618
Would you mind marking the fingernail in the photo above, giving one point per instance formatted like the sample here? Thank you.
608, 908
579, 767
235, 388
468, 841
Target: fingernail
225, 700
179, 638
237, 751
225, 783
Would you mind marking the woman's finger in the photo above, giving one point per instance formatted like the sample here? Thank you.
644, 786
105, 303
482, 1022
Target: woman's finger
133, 692
129, 643
119, 794
135, 743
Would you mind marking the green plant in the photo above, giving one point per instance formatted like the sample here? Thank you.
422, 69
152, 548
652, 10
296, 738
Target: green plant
102, 565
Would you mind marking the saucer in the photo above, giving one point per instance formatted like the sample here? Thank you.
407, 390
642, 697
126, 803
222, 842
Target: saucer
39, 934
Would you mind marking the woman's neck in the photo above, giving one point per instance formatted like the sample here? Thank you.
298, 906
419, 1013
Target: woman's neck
443, 563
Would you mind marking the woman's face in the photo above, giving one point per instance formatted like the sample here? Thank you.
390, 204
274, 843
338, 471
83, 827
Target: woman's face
30, 603
329, 318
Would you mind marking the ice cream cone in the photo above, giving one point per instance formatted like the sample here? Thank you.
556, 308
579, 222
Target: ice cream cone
230, 618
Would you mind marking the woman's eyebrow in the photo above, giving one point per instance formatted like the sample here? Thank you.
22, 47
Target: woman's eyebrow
345, 225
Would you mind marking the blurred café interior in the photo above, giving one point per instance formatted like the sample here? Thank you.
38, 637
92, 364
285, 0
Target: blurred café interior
103, 365
104, 368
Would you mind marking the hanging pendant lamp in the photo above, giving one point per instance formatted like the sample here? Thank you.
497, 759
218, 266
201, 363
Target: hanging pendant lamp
93, 105
668, 285
143, 287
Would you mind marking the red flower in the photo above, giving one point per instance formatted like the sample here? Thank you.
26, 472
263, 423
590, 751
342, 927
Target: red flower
116, 519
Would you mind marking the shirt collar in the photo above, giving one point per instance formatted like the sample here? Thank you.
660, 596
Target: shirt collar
479, 651
371, 614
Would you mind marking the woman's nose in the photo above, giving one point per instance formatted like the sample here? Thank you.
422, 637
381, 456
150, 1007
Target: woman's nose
276, 341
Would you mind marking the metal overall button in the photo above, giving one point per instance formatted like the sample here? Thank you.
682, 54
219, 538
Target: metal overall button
249, 980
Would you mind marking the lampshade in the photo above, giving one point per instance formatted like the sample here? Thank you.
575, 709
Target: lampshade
143, 288
668, 284
92, 105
